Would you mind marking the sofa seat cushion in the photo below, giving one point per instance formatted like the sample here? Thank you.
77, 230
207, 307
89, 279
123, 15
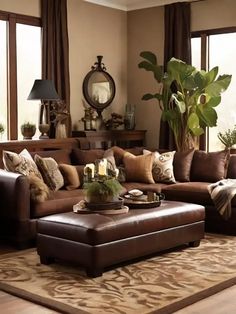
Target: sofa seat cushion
58, 202
192, 192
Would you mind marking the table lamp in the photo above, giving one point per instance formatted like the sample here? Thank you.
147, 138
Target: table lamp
45, 91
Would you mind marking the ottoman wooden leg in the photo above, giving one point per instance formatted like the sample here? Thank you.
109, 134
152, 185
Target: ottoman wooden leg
94, 272
46, 260
194, 243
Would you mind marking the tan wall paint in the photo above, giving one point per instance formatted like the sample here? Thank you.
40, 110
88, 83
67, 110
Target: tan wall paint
97, 30
145, 32
211, 14
27, 7
93, 30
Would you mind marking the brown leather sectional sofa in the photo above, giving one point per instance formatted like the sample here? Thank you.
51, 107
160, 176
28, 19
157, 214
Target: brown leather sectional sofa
193, 172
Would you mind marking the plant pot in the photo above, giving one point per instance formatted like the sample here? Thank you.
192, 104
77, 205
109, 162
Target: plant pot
28, 132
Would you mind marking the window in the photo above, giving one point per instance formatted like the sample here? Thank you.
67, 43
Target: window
20, 65
218, 48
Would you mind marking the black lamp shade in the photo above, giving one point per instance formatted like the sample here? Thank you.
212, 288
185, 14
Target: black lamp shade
43, 90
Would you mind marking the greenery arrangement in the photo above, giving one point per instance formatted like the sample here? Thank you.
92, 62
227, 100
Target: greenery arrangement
186, 96
228, 138
102, 190
28, 125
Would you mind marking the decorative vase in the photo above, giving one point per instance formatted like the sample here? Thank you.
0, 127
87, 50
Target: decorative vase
129, 118
60, 130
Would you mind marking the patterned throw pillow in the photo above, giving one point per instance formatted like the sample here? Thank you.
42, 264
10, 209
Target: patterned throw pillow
138, 168
21, 163
50, 172
162, 169
70, 175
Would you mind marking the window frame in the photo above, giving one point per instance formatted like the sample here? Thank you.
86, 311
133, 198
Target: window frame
204, 35
13, 19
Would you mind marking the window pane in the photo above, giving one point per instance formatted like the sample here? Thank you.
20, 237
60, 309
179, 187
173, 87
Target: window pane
196, 52
3, 71
222, 51
28, 40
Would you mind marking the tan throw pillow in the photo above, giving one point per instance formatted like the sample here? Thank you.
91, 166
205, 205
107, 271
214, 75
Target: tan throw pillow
39, 191
21, 163
50, 172
138, 168
70, 175
162, 169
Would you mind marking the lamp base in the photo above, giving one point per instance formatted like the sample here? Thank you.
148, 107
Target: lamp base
43, 137
44, 128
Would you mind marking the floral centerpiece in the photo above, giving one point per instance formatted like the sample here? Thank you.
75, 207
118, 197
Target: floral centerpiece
100, 183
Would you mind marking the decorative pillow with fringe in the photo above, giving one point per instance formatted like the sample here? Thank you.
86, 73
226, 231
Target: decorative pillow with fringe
39, 191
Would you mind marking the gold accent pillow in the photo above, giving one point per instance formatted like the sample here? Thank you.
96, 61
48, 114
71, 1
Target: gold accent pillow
50, 172
70, 175
21, 163
162, 169
138, 168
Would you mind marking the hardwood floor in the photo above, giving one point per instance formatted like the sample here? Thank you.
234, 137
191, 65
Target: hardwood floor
223, 302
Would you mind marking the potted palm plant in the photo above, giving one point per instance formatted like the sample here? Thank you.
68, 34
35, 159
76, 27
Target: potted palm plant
186, 96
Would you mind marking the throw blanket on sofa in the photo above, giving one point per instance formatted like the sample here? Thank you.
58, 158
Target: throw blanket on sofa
222, 193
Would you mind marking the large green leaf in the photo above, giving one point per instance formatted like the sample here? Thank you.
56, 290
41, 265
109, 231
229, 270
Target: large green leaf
199, 80
193, 124
148, 55
220, 85
211, 75
179, 70
179, 103
207, 114
157, 71
214, 101
152, 96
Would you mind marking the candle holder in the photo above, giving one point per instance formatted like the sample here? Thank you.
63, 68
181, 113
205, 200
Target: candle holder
100, 183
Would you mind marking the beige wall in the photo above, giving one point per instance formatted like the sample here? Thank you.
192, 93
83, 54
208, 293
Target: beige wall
93, 30
146, 32
97, 30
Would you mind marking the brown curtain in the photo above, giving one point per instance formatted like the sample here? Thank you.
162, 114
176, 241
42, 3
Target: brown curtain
55, 58
177, 44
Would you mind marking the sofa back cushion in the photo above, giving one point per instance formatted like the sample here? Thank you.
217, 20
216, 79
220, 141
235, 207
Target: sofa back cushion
182, 165
209, 167
61, 156
86, 156
231, 171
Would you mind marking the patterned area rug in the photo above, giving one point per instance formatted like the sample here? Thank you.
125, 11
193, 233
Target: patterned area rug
160, 284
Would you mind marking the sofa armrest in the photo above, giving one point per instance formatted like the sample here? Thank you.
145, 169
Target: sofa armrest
15, 196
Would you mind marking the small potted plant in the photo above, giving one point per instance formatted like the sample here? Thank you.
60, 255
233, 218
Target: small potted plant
2, 129
28, 130
228, 137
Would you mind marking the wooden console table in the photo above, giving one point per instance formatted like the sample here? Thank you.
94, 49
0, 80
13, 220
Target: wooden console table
106, 139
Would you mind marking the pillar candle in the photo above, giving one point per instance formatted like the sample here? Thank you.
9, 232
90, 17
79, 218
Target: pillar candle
90, 166
102, 167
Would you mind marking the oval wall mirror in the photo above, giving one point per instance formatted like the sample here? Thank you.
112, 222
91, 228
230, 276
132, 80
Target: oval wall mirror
99, 87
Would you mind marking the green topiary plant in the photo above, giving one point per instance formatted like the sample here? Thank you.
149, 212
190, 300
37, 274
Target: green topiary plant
103, 190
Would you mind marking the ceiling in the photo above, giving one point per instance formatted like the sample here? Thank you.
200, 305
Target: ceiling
128, 5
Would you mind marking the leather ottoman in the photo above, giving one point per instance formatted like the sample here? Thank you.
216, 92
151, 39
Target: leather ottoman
96, 241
